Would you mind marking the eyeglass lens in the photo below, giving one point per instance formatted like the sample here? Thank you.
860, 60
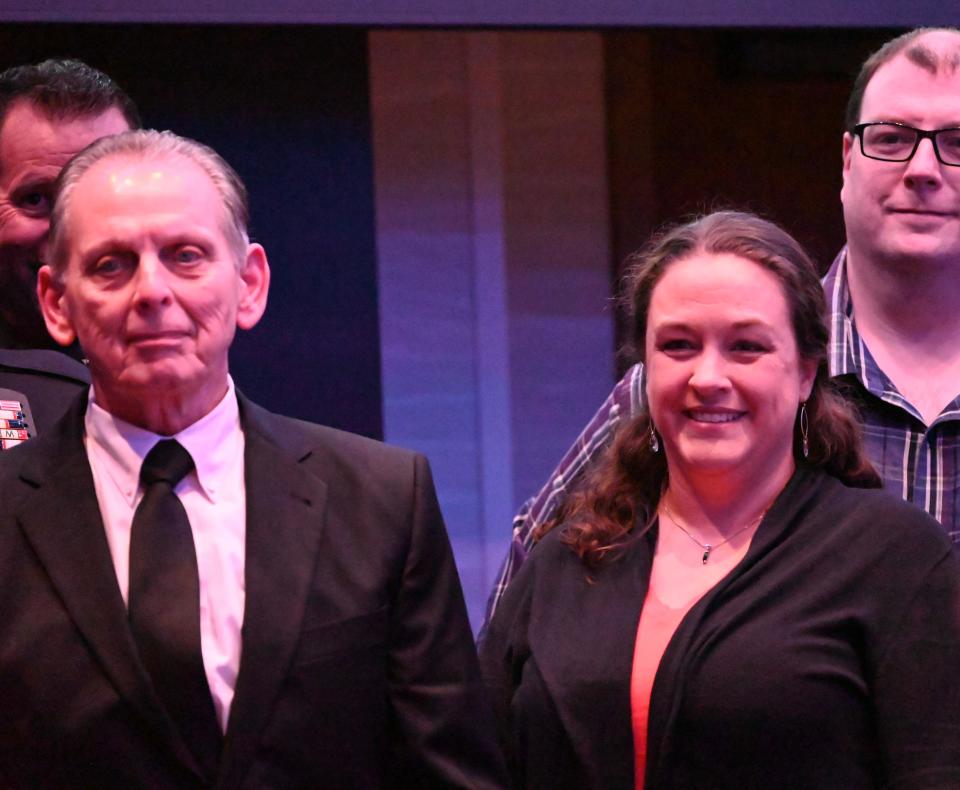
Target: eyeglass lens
897, 143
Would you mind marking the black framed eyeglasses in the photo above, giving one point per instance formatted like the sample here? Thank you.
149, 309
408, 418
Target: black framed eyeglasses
897, 142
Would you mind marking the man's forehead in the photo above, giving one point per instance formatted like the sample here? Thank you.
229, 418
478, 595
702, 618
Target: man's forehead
921, 83
31, 134
945, 43
38, 110
125, 189
936, 53
124, 173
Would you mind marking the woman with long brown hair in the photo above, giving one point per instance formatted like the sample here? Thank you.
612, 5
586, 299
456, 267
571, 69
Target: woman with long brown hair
724, 603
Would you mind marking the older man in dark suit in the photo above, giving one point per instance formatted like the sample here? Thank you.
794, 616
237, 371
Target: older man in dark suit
198, 592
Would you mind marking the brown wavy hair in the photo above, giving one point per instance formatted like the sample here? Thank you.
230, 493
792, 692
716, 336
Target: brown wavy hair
624, 488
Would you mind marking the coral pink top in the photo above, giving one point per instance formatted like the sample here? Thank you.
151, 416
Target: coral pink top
657, 625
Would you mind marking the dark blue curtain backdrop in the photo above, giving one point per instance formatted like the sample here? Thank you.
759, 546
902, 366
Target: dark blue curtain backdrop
288, 107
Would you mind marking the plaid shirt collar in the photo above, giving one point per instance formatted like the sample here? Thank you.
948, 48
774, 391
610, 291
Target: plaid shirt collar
847, 354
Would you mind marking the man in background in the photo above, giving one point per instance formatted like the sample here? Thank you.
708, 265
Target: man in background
48, 112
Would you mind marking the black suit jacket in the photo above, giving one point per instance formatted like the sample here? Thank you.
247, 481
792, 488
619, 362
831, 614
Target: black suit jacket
357, 666
49, 380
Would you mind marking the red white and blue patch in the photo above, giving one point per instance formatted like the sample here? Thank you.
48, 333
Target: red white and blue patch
16, 421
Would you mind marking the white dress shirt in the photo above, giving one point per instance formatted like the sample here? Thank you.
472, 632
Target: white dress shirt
214, 498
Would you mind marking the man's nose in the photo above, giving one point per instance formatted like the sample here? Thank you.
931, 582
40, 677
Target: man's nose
151, 281
923, 169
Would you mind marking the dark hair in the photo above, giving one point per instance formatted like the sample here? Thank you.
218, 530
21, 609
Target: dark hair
625, 486
64, 89
916, 52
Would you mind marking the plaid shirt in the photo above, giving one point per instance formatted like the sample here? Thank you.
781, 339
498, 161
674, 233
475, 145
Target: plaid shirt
918, 463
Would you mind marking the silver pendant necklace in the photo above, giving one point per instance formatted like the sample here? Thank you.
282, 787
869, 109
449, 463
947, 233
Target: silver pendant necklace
708, 547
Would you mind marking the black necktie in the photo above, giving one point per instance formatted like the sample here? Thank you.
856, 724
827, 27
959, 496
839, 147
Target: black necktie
164, 602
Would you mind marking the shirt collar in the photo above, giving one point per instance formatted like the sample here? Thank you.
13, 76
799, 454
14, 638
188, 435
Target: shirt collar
844, 340
123, 446
847, 353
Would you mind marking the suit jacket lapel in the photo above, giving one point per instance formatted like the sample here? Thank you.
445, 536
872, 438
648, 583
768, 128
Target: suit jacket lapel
282, 497
62, 522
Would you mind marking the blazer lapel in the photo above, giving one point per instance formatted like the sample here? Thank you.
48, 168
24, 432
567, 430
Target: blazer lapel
62, 523
282, 497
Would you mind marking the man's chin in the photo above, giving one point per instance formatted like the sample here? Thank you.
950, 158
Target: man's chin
175, 377
919, 252
158, 376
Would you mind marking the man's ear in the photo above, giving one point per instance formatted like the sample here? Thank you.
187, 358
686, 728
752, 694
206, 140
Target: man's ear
53, 305
849, 141
254, 284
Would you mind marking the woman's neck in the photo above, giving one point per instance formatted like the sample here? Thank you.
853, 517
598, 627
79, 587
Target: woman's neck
722, 504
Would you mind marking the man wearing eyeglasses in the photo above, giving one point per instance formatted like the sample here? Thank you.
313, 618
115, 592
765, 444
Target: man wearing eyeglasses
893, 293
901, 207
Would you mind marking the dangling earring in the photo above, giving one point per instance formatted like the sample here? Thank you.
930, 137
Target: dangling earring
805, 429
654, 441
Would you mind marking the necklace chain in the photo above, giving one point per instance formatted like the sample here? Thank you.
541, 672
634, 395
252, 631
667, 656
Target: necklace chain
708, 547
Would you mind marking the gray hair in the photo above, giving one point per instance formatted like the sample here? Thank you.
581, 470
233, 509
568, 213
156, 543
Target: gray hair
150, 144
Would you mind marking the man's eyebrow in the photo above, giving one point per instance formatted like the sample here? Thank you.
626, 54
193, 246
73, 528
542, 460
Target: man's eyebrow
913, 122
32, 180
184, 235
113, 244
